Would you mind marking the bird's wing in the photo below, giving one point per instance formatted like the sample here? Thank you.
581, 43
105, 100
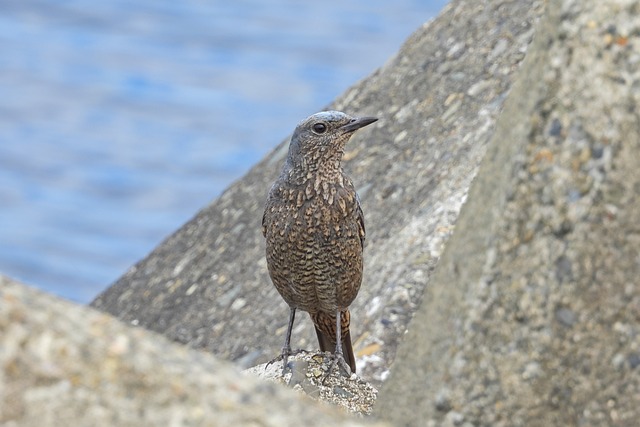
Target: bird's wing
264, 227
267, 206
361, 229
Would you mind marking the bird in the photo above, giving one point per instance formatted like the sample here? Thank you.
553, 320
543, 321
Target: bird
314, 229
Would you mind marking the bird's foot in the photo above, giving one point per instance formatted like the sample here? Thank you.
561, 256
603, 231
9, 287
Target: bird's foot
284, 356
337, 360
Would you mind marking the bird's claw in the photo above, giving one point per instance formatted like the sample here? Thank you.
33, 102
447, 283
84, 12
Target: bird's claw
337, 359
284, 356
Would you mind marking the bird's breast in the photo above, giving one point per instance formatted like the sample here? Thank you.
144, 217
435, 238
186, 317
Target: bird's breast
317, 207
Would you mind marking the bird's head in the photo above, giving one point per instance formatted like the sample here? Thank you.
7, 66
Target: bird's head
319, 139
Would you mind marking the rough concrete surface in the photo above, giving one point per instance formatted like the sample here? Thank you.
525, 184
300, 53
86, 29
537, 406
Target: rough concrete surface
66, 365
437, 101
533, 315
309, 373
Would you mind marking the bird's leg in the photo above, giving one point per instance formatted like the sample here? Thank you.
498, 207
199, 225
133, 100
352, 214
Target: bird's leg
338, 357
338, 353
286, 349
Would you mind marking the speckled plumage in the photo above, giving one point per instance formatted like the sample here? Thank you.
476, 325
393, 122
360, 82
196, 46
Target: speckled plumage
314, 229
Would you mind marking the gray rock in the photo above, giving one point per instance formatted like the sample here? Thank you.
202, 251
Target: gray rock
207, 284
66, 365
309, 373
538, 289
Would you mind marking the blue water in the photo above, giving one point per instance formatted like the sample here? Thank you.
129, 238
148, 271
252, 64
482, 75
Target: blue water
119, 120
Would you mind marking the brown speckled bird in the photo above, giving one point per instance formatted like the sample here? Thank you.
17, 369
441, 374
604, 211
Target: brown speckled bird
314, 230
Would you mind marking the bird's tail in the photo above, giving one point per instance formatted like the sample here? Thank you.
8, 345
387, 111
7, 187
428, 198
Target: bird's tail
325, 325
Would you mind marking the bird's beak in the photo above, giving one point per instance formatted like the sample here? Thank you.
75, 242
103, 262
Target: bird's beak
358, 123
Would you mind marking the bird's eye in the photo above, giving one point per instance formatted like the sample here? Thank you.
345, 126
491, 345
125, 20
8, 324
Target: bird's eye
319, 128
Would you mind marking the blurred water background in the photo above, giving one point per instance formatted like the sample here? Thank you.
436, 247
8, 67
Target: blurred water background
119, 120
